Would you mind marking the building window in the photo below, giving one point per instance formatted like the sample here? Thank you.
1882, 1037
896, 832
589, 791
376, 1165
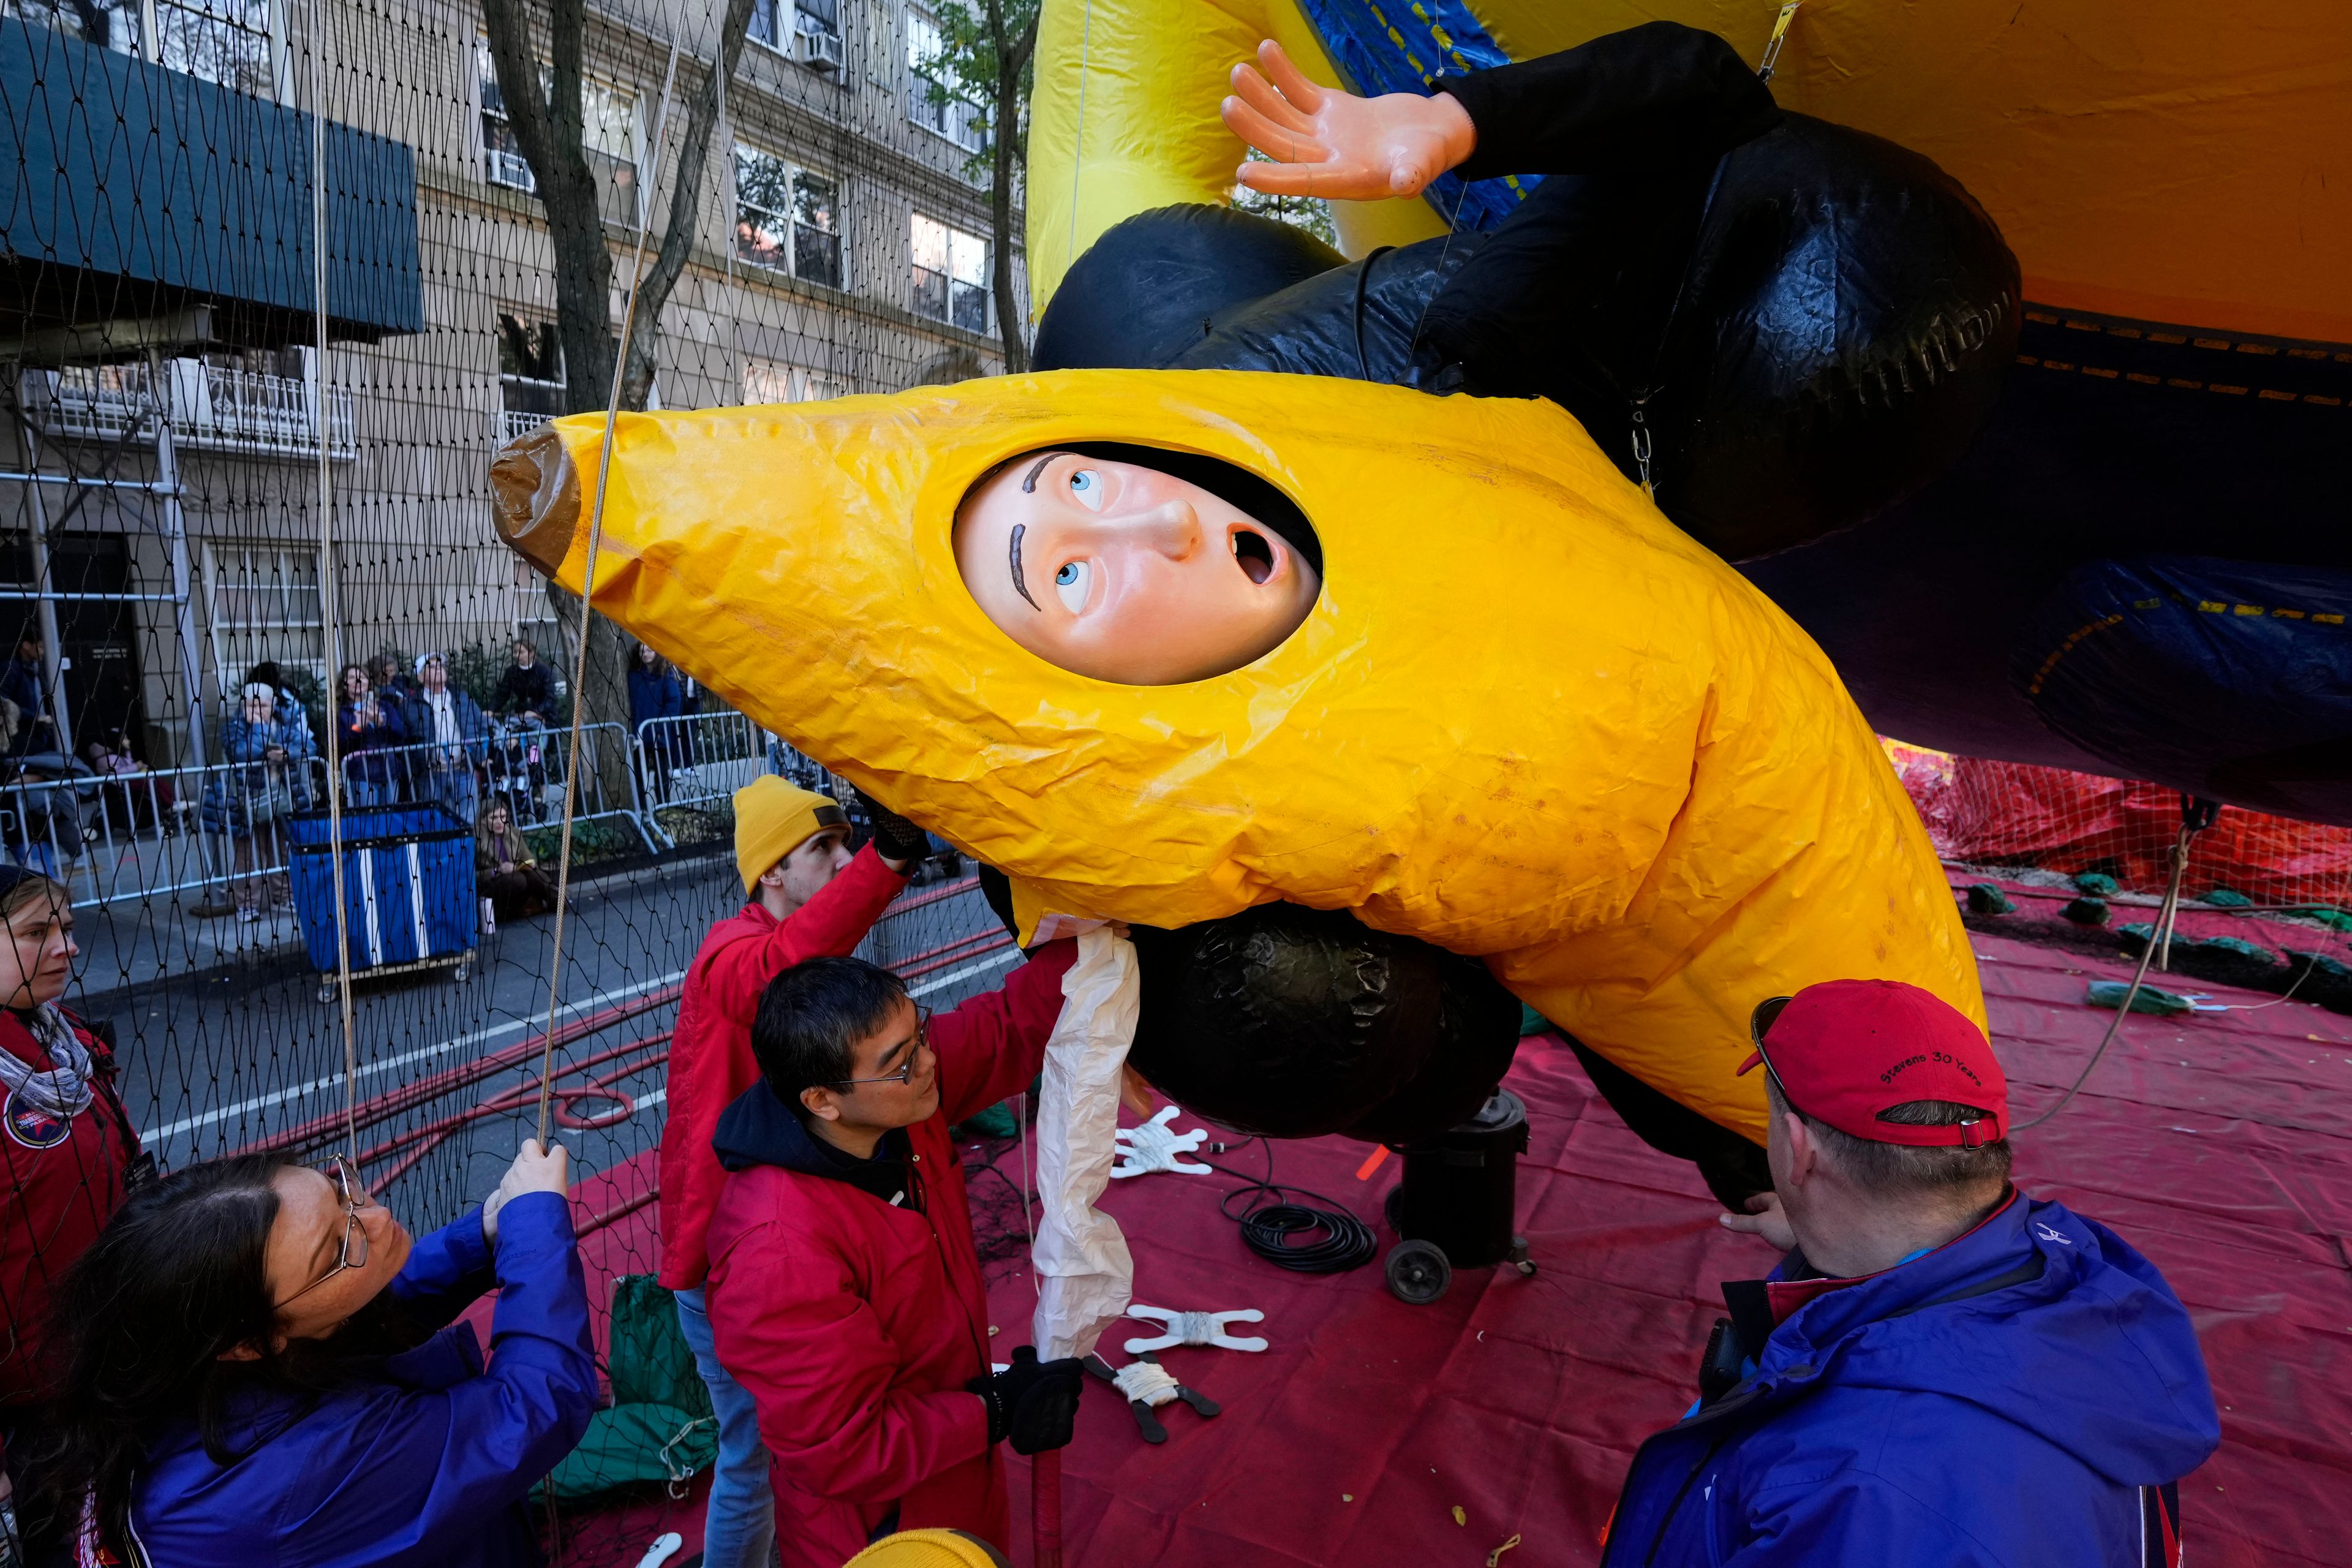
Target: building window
787, 218
773, 381
609, 134
776, 22
231, 42
931, 102
264, 605
950, 274
226, 41
531, 375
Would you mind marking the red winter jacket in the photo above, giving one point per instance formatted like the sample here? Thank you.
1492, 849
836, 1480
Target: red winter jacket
710, 1053
856, 1323
59, 1183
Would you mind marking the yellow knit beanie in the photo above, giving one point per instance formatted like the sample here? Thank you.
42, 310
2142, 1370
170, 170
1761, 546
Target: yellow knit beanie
927, 1549
773, 818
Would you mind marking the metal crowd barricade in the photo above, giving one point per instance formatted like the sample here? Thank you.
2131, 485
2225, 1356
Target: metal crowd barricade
171, 832
697, 759
123, 838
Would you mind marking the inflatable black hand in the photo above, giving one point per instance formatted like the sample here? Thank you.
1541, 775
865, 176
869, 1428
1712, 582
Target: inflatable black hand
1294, 1023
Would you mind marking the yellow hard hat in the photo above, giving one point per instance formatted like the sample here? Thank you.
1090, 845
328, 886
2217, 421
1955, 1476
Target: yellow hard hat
928, 1549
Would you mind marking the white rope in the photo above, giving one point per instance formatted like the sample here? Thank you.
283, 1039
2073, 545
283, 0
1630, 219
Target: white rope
587, 600
2164, 914
330, 580
1145, 1382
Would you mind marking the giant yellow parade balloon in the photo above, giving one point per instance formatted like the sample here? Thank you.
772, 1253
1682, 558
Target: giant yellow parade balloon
1525, 718
2177, 163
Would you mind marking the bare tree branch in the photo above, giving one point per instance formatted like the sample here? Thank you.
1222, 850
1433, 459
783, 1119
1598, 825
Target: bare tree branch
685, 209
547, 124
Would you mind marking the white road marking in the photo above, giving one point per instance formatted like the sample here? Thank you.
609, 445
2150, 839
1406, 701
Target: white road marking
422, 1052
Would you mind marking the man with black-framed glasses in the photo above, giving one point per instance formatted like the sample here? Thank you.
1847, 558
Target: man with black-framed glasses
1942, 1371
845, 1292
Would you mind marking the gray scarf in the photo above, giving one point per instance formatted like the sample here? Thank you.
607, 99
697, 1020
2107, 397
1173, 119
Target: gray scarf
64, 1089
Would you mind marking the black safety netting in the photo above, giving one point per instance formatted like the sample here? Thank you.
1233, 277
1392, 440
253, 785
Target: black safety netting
210, 520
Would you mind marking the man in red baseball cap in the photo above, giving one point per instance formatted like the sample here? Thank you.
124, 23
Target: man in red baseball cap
1942, 1370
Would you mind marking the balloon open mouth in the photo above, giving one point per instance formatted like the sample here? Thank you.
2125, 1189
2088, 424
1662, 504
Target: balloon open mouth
1254, 554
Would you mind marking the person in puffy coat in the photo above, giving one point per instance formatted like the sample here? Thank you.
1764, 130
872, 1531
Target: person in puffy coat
845, 1292
69, 1153
806, 896
1944, 1372
258, 1368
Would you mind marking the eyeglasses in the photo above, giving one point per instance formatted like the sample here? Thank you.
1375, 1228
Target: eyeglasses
353, 1254
906, 1073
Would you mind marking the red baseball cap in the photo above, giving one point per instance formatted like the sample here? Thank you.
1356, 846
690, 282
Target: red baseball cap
1845, 1050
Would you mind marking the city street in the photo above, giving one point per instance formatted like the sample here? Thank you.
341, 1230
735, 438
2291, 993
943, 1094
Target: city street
220, 1057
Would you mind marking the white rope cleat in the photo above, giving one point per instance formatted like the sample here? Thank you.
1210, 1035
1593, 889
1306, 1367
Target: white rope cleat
1145, 1383
1195, 1329
1155, 1146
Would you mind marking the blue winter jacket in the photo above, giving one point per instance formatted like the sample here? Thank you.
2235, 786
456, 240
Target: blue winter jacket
427, 1465
1918, 1418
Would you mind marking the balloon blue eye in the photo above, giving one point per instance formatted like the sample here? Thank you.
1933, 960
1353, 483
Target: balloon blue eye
1088, 485
1067, 574
1072, 583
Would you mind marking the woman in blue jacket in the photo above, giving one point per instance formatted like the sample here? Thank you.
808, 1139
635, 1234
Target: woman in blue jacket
657, 691
257, 1370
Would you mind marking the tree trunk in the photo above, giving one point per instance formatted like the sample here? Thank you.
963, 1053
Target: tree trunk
548, 126
1012, 60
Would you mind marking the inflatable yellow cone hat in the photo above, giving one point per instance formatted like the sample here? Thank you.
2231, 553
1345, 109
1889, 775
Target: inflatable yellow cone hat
1526, 719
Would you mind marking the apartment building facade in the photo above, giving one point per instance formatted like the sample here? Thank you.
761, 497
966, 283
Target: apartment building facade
162, 454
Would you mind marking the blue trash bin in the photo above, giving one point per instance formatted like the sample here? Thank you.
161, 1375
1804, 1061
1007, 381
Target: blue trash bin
409, 899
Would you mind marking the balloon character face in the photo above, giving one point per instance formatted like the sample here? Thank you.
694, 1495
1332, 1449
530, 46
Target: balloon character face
1125, 574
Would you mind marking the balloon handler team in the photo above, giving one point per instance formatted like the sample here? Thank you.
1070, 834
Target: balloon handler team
1181, 653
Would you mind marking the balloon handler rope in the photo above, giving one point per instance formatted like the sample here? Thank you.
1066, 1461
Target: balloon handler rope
331, 607
2193, 819
587, 612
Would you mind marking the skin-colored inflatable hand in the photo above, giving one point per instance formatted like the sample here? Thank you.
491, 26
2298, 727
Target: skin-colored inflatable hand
1329, 144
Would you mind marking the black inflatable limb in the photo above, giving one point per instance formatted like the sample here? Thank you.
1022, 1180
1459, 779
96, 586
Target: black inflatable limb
1734, 1169
1285, 1021
1149, 287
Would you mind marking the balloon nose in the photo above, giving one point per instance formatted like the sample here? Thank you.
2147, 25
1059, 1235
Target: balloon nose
535, 490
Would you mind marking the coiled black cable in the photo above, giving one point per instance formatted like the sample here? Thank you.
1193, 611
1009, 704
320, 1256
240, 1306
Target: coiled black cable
1272, 1221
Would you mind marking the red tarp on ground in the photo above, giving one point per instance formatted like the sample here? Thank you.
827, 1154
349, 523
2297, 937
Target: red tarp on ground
2010, 813
2221, 1146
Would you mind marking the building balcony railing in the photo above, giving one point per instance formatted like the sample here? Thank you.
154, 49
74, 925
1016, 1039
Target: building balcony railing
514, 422
209, 407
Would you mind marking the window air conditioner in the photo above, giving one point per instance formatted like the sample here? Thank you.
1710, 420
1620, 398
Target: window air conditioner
816, 48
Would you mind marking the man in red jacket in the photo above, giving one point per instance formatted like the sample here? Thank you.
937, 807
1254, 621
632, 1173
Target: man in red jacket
845, 1292
808, 898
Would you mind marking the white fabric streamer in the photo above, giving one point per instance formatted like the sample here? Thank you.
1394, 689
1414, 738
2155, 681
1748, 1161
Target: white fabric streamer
1086, 1275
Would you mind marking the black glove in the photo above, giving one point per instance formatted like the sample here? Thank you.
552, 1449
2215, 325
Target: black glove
895, 837
1033, 1403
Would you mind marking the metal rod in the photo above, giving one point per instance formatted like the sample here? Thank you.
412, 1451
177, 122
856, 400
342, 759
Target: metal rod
53, 680
86, 481
93, 598
588, 592
173, 526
